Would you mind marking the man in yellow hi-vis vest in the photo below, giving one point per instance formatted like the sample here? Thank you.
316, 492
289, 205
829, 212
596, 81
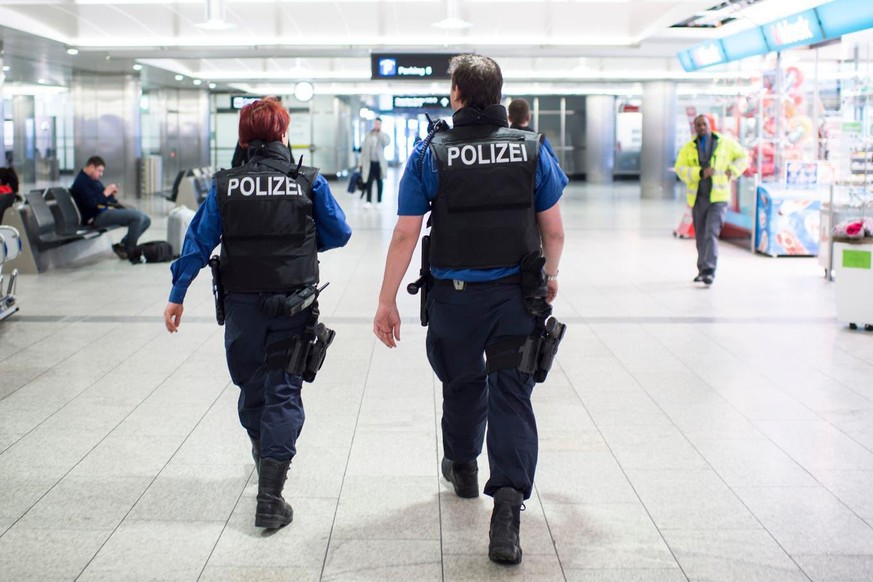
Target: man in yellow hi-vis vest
707, 164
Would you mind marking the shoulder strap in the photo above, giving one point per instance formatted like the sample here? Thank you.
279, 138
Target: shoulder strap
433, 127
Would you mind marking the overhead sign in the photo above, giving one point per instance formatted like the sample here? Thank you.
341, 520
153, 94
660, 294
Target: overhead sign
845, 16
745, 44
421, 102
707, 54
797, 30
240, 101
416, 67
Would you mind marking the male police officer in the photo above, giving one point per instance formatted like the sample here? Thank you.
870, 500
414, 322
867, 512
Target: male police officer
271, 219
494, 204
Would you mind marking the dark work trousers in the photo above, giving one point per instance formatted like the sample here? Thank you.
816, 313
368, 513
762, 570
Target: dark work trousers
270, 404
708, 221
462, 323
375, 175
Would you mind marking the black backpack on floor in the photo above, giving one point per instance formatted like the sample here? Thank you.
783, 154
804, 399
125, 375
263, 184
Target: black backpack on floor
156, 251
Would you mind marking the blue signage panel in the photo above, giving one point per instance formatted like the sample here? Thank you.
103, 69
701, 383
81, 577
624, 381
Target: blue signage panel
745, 44
685, 61
707, 54
845, 16
797, 30
421, 102
407, 66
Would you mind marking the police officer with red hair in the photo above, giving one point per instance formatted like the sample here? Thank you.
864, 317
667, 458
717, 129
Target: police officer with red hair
272, 218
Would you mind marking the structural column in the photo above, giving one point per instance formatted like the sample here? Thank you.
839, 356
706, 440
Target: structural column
107, 124
599, 138
23, 149
657, 181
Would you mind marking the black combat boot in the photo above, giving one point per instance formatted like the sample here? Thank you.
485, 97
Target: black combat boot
464, 477
505, 544
272, 512
256, 453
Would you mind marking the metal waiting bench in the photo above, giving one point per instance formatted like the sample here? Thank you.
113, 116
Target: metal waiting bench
52, 233
10, 249
191, 187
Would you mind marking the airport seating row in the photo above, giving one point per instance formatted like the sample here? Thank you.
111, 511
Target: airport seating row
191, 186
52, 231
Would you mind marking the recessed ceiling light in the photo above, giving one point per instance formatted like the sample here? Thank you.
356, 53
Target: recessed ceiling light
198, 82
212, 85
137, 67
72, 51
6, 68
179, 77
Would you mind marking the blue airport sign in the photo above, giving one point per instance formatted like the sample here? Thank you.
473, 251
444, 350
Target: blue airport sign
408, 66
421, 102
797, 30
844, 17
745, 44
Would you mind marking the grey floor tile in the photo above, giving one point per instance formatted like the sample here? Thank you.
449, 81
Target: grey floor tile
261, 574
837, 568
808, 520
854, 488
186, 492
746, 463
387, 453
473, 568
85, 503
624, 575
154, 550
20, 491
378, 560
578, 478
750, 555
407, 508
606, 537
53, 554
690, 499
817, 445
124, 455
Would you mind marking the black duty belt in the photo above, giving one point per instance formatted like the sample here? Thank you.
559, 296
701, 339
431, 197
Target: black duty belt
461, 285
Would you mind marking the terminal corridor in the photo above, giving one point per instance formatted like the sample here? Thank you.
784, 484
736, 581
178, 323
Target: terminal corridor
686, 433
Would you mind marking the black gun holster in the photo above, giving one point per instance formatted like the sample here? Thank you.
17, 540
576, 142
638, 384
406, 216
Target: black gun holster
424, 281
302, 355
217, 288
533, 354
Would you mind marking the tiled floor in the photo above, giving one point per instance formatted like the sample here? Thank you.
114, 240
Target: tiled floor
685, 433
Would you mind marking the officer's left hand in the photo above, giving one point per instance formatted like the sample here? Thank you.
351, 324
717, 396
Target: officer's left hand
729, 174
552, 291
173, 316
386, 324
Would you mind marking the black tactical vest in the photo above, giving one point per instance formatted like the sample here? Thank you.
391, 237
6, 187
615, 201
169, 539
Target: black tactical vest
268, 230
483, 215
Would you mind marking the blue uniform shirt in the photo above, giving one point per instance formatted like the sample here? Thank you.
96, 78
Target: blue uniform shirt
417, 193
204, 234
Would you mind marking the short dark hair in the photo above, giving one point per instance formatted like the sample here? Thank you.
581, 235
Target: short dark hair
95, 161
379, 119
264, 119
478, 79
519, 110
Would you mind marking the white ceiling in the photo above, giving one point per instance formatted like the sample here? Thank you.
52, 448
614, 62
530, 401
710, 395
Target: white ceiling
276, 42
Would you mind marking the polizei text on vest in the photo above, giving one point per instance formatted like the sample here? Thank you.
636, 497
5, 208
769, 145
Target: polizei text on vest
263, 186
482, 154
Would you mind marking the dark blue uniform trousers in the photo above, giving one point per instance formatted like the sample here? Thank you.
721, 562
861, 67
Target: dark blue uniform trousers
462, 323
270, 403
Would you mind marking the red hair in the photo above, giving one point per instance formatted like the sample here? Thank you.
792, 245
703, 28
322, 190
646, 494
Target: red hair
264, 119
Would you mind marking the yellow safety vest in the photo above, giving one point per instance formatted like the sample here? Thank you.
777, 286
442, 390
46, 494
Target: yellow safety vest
728, 155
